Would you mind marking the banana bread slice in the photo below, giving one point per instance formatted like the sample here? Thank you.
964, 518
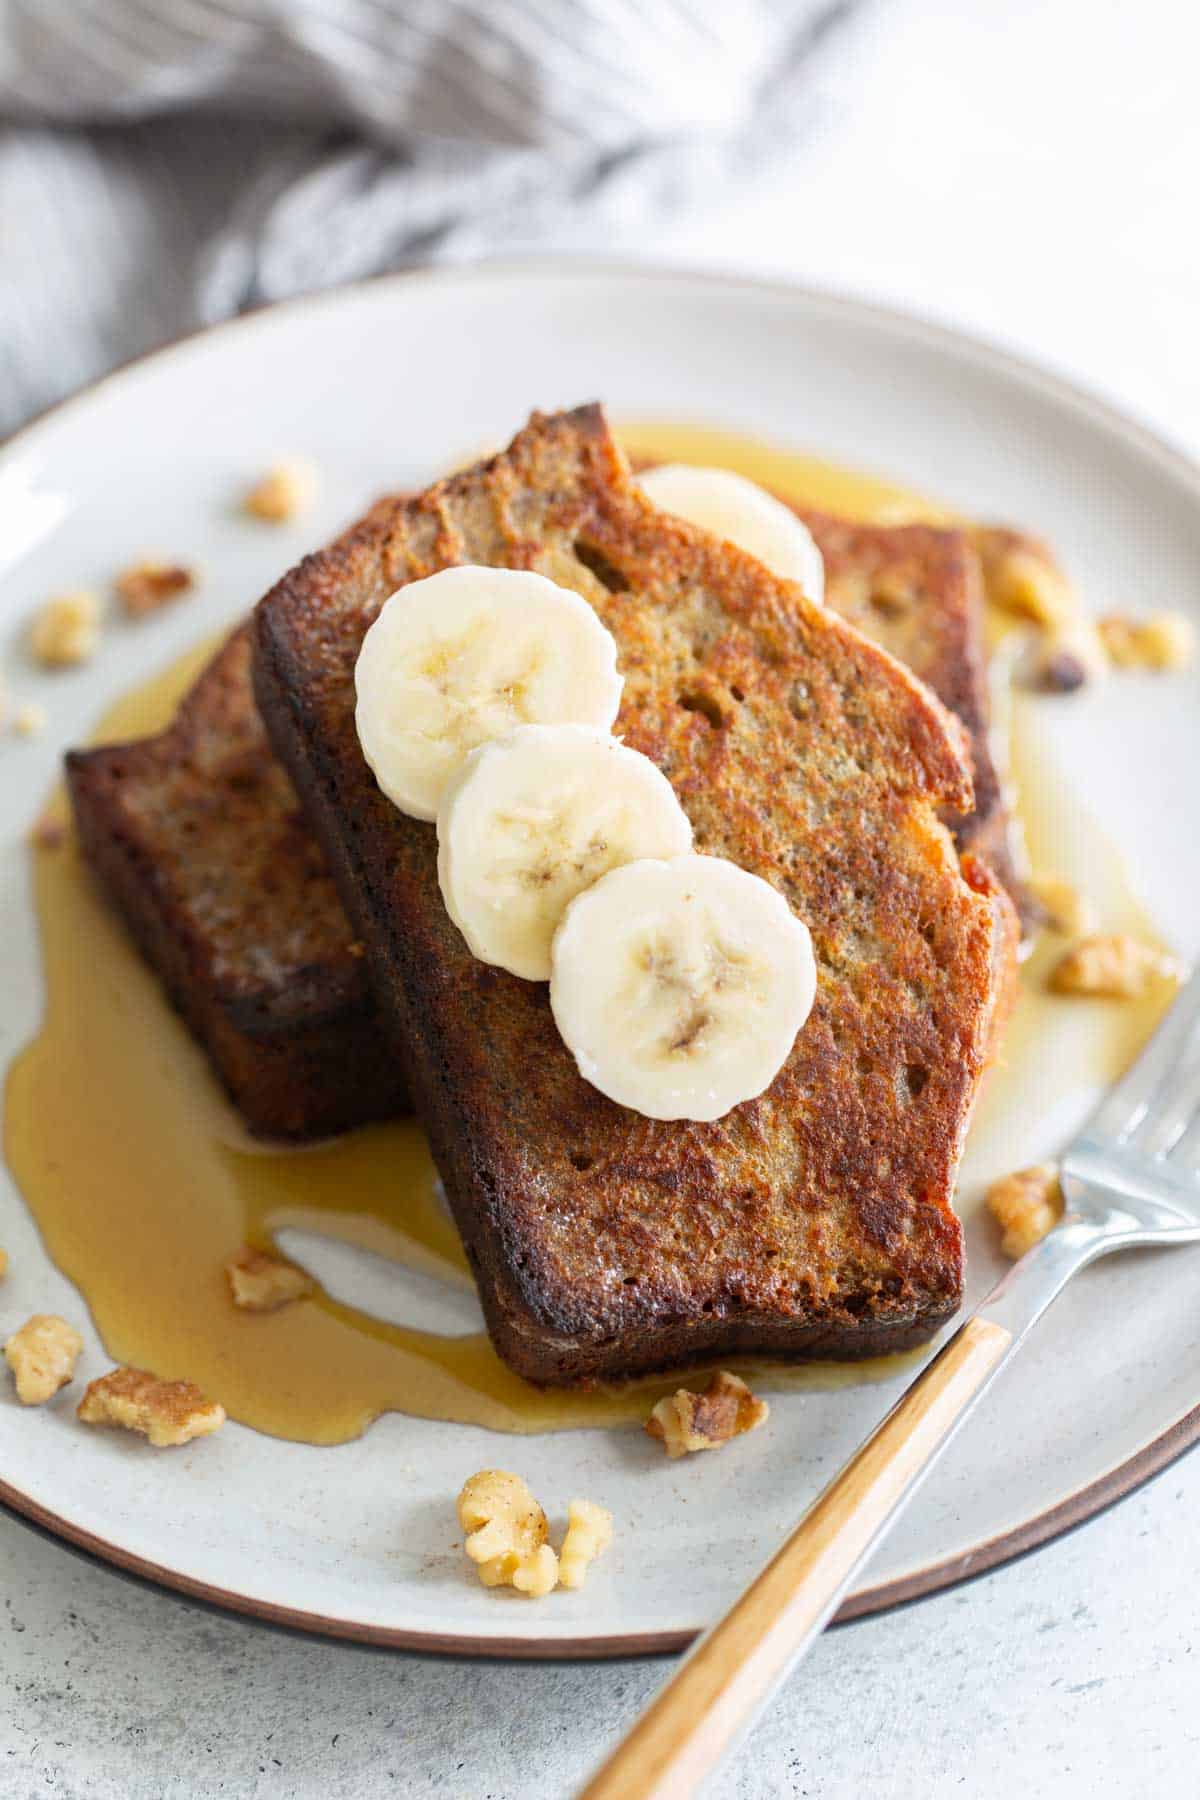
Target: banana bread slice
815, 1220
198, 838
918, 591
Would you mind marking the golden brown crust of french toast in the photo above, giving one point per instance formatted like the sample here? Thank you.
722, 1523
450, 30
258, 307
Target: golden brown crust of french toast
815, 1220
197, 836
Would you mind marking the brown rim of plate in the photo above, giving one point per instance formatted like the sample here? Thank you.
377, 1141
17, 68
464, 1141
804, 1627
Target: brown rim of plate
935, 1578
1078, 1507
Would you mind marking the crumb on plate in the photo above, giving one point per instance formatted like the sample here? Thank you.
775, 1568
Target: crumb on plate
1026, 1205
261, 1282
1021, 575
146, 586
589, 1532
506, 1533
1110, 965
67, 629
1065, 909
1164, 641
1065, 658
42, 1356
29, 720
283, 491
686, 1421
165, 1412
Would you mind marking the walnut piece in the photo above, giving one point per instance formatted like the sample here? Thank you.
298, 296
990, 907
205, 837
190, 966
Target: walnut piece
42, 1356
29, 720
1113, 966
283, 491
1065, 908
589, 1531
260, 1282
1163, 641
1057, 670
166, 1412
67, 630
1026, 1206
1020, 575
686, 1421
506, 1533
146, 586
1065, 658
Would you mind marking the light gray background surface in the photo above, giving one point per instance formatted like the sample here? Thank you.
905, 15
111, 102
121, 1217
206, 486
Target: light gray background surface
1028, 170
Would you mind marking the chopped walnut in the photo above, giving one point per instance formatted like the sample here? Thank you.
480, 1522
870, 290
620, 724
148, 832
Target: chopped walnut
166, 1412
42, 1356
261, 1282
67, 630
1021, 575
1163, 641
283, 491
1114, 966
506, 1533
146, 586
1065, 658
29, 720
1064, 907
687, 1421
1056, 670
1119, 637
1026, 1206
589, 1531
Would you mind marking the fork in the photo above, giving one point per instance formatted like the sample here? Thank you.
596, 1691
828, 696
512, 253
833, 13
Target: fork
1131, 1178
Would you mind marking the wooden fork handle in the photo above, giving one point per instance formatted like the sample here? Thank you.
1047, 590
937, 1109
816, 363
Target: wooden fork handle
735, 1668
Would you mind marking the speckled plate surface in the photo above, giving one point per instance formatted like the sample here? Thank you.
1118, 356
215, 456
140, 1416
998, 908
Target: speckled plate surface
383, 385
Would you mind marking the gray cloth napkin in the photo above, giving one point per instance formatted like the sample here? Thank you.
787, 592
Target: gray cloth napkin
164, 163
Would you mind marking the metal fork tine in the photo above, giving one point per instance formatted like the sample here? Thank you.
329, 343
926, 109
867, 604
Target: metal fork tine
1126, 1105
1170, 1108
1184, 1154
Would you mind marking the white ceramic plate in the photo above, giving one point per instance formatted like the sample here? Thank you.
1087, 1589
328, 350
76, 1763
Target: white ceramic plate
382, 385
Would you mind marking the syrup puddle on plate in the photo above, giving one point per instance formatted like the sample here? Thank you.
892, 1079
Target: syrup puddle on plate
143, 1183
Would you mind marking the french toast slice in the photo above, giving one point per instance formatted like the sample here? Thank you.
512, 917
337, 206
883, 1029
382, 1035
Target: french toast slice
815, 1220
918, 591
198, 838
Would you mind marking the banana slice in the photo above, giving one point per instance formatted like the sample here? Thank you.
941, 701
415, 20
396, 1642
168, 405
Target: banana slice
535, 818
680, 986
464, 656
736, 509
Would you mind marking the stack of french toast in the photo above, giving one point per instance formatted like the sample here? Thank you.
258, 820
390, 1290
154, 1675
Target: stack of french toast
835, 749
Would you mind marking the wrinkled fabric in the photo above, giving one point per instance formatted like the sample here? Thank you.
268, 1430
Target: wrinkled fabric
165, 163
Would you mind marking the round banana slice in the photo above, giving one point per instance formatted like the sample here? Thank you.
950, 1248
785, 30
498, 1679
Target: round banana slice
736, 509
464, 656
535, 818
680, 986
